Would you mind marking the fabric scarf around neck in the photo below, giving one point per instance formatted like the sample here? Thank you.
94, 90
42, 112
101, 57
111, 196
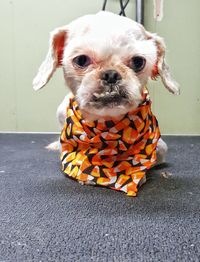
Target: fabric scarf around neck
115, 154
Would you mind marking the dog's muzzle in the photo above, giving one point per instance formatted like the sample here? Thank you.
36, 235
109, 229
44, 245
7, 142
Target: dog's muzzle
109, 99
112, 93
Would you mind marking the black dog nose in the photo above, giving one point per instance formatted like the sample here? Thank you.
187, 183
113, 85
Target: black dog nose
111, 76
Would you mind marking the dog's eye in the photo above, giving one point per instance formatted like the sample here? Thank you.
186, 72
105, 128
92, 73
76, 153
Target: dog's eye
82, 61
137, 63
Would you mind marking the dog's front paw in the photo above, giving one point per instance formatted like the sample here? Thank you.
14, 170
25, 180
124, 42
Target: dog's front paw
161, 152
55, 146
142, 181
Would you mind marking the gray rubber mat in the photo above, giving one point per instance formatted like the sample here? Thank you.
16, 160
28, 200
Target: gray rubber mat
45, 216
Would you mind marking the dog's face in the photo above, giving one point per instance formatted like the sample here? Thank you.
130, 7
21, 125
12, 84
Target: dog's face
107, 60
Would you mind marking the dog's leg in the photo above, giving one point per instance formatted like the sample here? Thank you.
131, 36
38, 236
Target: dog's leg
61, 116
161, 151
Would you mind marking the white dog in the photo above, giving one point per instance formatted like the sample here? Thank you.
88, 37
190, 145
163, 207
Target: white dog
107, 60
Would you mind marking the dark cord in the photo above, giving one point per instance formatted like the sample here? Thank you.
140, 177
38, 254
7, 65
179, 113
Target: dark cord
123, 7
104, 5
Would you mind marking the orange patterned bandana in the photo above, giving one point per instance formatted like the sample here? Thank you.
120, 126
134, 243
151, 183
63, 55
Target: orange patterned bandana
115, 154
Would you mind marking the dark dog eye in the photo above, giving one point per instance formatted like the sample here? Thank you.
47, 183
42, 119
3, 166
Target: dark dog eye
82, 61
138, 63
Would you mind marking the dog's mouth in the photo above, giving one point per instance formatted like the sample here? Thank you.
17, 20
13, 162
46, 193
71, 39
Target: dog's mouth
109, 99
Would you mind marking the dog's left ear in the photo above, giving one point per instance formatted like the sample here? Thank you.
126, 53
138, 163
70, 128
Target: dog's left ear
162, 69
53, 58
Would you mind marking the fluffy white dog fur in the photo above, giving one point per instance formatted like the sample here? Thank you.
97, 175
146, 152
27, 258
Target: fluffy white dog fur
106, 42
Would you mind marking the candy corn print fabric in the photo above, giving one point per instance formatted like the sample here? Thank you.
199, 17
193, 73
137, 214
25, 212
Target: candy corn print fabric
114, 154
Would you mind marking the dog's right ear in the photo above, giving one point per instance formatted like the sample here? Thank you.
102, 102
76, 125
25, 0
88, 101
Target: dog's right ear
162, 68
53, 59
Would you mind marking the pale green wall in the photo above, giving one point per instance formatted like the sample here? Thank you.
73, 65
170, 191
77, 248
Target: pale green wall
24, 32
181, 31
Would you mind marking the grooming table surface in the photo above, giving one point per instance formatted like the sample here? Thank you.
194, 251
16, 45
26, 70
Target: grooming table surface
45, 216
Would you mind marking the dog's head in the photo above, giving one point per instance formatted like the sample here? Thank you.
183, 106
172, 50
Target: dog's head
107, 60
